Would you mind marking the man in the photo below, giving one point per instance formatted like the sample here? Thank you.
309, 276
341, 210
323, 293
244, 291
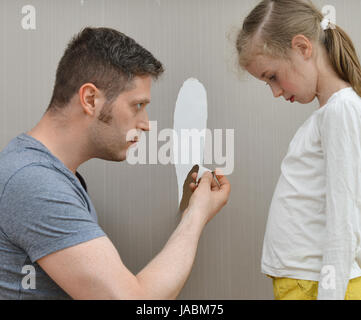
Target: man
47, 221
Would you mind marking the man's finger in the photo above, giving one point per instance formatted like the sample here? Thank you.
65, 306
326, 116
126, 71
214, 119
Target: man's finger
206, 179
194, 176
215, 184
192, 186
225, 186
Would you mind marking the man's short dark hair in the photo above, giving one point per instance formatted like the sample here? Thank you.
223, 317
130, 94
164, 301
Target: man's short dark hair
104, 57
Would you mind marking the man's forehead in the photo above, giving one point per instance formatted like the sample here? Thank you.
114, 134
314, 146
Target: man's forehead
138, 89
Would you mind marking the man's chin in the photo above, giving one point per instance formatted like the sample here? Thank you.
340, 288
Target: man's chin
122, 156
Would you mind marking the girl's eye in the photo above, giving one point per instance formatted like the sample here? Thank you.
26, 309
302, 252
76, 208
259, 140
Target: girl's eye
271, 79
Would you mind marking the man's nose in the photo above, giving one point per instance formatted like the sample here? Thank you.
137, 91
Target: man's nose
144, 121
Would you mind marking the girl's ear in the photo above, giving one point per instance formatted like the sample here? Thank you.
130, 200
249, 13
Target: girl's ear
302, 45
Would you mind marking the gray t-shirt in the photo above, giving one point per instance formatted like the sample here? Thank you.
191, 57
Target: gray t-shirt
44, 208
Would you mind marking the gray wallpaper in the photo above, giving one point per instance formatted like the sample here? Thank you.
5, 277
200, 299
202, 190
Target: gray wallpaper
137, 204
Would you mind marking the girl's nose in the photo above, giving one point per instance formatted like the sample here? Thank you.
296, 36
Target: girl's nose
277, 92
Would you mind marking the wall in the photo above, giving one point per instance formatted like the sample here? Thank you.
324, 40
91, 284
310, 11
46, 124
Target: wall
137, 204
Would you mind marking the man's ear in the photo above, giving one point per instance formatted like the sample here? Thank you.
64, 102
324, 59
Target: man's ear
302, 45
90, 97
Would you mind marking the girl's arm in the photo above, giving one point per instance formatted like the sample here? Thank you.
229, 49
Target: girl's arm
341, 142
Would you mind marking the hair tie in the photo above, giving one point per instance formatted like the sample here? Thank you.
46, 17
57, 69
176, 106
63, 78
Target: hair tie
325, 23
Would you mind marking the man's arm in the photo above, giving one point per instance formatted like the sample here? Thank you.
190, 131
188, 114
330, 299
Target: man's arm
94, 270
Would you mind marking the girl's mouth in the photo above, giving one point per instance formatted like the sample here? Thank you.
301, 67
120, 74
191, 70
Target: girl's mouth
292, 99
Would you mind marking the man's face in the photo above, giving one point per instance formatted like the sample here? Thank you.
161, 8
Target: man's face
120, 123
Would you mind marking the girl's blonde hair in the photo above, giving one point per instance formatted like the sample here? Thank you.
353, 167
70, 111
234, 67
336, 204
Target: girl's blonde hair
272, 24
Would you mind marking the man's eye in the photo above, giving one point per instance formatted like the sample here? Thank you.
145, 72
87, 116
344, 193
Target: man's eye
139, 105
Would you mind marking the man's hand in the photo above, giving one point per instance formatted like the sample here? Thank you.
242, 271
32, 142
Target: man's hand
208, 197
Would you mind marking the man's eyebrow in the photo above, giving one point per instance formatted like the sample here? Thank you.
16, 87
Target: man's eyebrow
145, 101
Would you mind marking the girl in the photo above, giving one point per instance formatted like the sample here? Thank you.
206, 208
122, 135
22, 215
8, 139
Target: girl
313, 234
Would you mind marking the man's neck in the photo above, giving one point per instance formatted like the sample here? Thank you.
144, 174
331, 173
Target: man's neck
64, 141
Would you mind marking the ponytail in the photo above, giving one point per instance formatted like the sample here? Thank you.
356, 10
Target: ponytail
343, 56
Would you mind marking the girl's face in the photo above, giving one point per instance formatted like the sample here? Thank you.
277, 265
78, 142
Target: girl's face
295, 80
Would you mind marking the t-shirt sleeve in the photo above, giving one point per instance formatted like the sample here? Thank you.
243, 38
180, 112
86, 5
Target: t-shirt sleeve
341, 142
41, 211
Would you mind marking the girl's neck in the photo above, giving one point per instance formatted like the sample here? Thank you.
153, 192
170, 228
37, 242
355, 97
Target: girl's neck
326, 90
328, 82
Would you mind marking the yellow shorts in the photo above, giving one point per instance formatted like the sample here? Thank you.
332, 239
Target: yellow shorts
293, 289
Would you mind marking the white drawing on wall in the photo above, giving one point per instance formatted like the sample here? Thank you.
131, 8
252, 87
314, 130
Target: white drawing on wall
191, 113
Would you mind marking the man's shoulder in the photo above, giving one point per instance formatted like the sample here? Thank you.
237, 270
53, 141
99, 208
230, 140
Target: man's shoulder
27, 165
26, 176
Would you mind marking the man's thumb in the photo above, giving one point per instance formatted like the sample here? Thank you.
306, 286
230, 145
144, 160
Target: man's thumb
206, 178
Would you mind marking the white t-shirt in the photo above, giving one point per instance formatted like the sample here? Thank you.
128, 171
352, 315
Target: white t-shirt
313, 228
